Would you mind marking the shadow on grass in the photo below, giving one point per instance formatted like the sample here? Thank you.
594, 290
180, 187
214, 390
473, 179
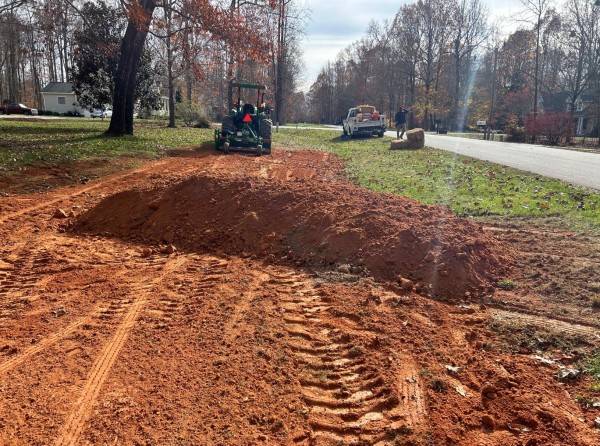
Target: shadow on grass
51, 141
342, 138
33, 130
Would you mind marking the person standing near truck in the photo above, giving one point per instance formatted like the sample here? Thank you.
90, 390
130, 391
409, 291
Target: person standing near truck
400, 120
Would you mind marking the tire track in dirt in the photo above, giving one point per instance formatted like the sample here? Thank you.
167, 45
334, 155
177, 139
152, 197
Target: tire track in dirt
349, 399
580, 259
171, 304
19, 277
590, 332
19, 269
45, 343
107, 357
234, 326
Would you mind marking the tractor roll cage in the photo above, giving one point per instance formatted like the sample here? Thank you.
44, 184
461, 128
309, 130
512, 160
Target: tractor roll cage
261, 90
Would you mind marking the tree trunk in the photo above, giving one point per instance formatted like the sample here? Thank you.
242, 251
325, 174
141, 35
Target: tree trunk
281, 56
456, 99
12, 64
493, 92
230, 63
189, 79
537, 69
132, 46
170, 80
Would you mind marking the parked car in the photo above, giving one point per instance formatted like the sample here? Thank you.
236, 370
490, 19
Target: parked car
364, 120
17, 109
99, 113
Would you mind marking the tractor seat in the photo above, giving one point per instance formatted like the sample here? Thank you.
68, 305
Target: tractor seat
248, 109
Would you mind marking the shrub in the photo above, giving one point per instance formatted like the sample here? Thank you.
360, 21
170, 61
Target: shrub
555, 127
192, 115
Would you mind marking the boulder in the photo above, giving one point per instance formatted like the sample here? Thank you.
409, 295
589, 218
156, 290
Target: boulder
415, 139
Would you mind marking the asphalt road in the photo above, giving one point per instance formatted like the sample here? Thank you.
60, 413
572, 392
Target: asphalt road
582, 169
579, 168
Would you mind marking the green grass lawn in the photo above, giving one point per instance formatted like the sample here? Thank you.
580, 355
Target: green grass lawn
305, 124
469, 187
59, 141
593, 369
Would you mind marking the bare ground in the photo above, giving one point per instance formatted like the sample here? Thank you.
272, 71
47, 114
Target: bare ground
104, 340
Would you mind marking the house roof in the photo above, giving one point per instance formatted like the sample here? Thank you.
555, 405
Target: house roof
59, 87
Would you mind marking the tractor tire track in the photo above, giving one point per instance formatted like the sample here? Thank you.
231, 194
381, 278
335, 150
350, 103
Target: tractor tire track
173, 303
45, 343
559, 325
349, 399
76, 420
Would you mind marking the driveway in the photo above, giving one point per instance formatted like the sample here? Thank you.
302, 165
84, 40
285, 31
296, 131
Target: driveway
578, 168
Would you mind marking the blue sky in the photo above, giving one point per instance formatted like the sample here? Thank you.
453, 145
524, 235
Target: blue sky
334, 24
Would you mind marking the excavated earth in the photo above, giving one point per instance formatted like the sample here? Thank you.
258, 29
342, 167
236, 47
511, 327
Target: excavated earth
231, 300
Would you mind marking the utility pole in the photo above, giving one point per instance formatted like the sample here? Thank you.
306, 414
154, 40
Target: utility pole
597, 6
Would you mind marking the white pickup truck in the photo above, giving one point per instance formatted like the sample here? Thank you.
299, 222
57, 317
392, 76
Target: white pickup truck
364, 120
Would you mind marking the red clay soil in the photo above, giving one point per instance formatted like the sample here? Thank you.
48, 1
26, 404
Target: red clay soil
109, 341
311, 222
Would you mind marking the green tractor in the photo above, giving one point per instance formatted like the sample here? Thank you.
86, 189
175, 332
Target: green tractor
247, 127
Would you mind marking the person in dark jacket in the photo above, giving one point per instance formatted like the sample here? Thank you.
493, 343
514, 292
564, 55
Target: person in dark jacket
400, 120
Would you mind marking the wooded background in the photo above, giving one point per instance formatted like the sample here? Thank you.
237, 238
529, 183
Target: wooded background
444, 59
190, 56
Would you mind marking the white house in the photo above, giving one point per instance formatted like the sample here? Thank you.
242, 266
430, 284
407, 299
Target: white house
59, 97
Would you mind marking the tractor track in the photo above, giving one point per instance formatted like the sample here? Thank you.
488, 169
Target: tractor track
102, 313
76, 420
46, 343
183, 297
349, 400
564, 325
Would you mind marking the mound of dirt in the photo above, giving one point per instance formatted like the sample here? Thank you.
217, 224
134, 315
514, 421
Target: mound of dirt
309, 223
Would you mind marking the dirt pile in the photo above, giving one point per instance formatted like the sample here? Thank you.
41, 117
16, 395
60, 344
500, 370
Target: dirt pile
308, 223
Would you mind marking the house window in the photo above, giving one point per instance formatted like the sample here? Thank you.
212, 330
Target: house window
62, 100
